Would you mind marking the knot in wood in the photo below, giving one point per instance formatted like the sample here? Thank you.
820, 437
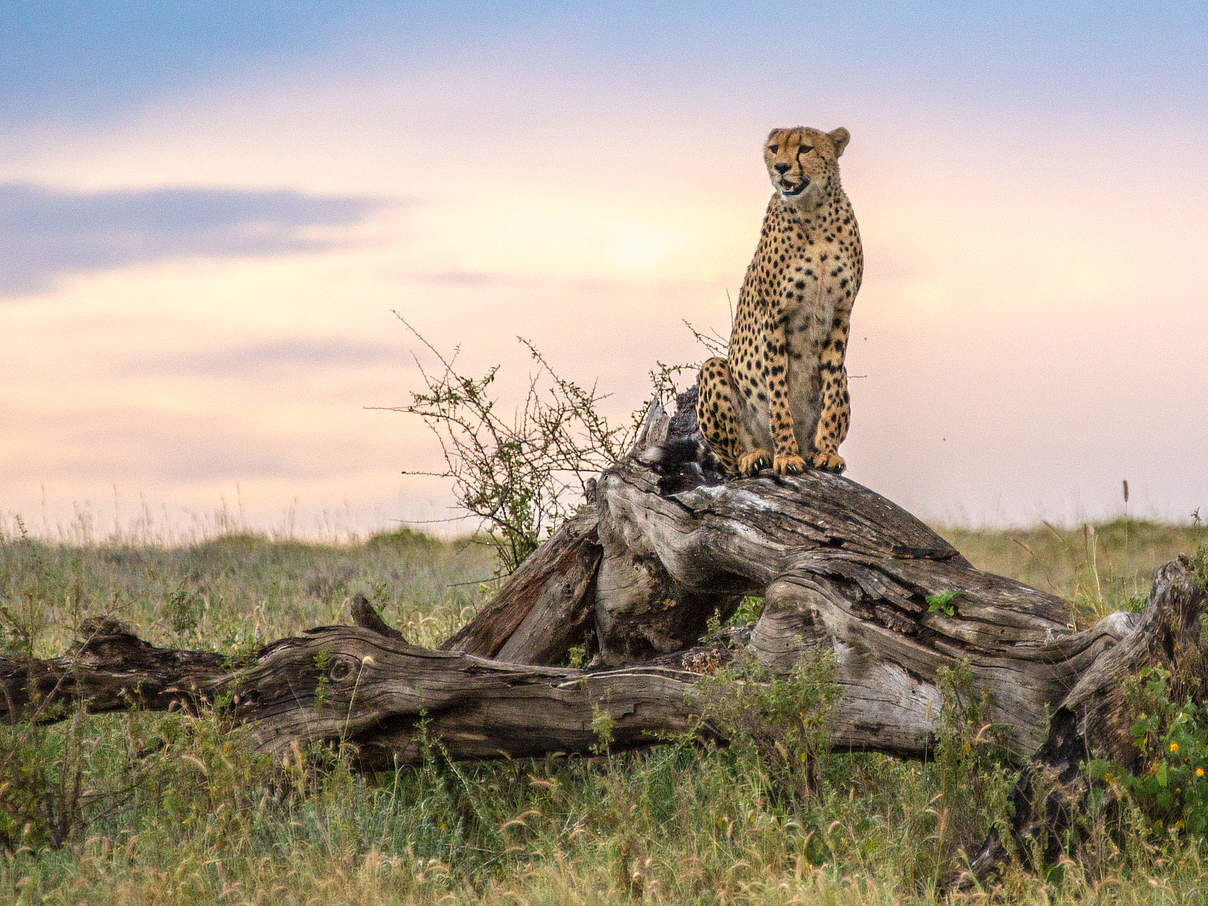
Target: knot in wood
342, 667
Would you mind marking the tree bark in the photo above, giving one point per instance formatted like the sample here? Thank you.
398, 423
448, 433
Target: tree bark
545, 606
663, 546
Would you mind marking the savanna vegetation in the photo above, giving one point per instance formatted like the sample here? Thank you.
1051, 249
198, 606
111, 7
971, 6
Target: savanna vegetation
142, 807
148, 808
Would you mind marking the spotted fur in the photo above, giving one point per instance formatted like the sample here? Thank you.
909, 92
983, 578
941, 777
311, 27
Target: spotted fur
780, 396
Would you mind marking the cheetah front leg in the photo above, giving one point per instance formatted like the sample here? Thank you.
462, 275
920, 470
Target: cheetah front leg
786, 459
835, 409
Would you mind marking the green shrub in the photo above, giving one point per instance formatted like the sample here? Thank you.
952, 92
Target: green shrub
42, 796
970, 769
777, 724
1171, 789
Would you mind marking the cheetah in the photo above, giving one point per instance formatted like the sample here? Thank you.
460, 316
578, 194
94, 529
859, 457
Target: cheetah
780, 398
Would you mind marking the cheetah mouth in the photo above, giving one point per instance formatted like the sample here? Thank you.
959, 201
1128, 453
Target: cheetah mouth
789, 189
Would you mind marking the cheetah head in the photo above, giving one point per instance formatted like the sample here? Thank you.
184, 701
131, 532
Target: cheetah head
802, 163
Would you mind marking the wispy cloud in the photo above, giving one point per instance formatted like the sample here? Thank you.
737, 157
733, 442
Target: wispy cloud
139, 443
476, 279
47, 232
269, 358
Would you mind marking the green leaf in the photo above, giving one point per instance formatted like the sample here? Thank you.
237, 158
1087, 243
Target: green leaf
941, 602
1141, 729
1097, 768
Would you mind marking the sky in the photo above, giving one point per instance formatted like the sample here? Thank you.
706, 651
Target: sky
212, 214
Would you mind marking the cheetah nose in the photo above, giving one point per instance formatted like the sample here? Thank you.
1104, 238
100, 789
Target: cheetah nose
781, 168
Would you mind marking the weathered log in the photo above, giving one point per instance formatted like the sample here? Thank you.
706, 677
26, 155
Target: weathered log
110, 669
840, 566
367, 688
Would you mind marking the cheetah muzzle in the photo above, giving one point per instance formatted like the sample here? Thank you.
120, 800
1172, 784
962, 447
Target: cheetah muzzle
787, 189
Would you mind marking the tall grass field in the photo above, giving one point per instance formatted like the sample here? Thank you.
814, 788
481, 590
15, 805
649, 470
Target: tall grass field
170, 809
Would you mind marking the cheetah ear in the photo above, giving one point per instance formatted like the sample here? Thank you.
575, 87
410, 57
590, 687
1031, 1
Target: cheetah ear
839, 138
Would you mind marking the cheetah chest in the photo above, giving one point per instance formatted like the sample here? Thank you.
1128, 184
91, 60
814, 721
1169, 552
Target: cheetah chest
807, 317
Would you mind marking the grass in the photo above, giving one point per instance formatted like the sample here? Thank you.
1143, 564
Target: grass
240, 590
172, 811
1099, 568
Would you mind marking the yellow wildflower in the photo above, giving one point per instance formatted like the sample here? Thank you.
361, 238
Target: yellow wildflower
1174, 747
1199, 772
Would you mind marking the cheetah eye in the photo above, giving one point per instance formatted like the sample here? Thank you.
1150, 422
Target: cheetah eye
773, 148
805, 149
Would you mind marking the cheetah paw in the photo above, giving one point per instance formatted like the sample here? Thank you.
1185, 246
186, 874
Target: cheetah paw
752, 462
827, 462
788, 464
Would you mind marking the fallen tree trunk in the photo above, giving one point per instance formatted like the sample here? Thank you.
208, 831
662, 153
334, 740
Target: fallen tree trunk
364, 687
661, 548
